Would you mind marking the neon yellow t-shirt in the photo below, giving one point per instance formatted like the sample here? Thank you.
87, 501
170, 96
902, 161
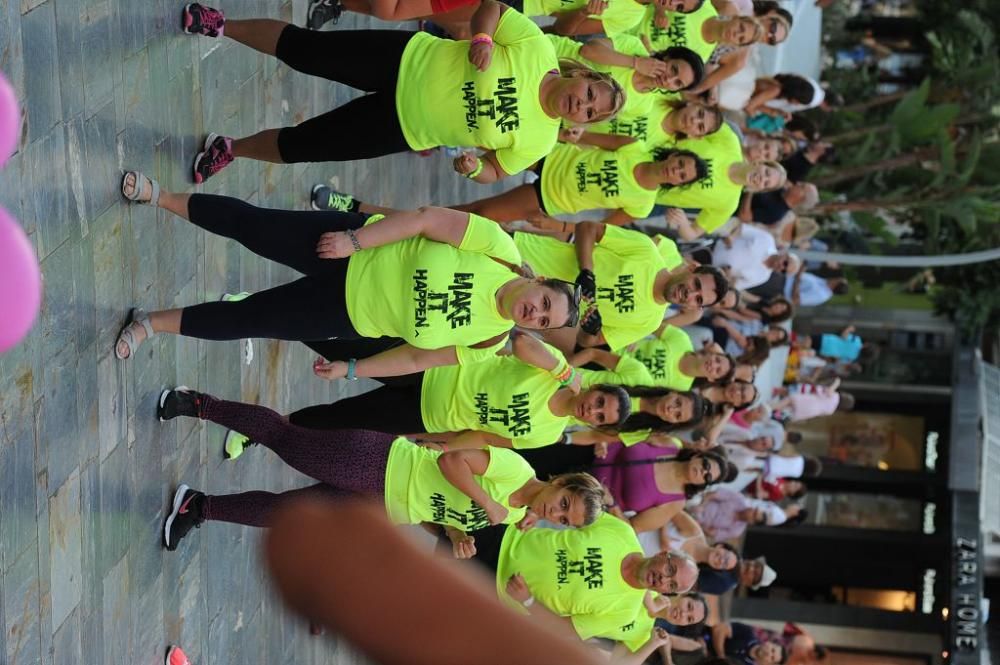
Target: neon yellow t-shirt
637, 103
442, 99
620, 15
668, 250
575, 179
416, 491
684, 30
628, 372
625, 266
431, 294
661, 357
576, 573
502, 396
716, 195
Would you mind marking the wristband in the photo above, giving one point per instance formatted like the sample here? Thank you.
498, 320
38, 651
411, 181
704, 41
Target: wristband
476, 171
561, 368
529, 602
569, 379
482, 38
351, 366
568, 438
354, 239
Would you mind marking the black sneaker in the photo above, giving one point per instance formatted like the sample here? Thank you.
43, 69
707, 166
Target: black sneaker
185, 514
181, 401
322, 12
325, 198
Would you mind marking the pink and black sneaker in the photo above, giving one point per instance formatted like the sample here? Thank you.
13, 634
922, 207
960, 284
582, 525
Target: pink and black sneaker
217, 155
200, 20
185, 514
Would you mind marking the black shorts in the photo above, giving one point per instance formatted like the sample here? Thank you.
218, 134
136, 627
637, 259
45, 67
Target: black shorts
537, 168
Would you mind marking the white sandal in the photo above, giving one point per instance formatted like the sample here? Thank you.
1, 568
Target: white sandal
139, 184
127, 333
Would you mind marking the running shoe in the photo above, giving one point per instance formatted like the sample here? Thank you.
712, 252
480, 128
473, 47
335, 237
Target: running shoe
246, 345
322, 12
324, 198
200, 20
236, 444
217, 155
181, 401
185, 514
176, 656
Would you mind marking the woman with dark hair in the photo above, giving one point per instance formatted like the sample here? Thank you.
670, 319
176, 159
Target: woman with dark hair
625, 181
524, 400
503, 91
737, 394
784, 94
776, 309
464, 490
756, 351
672, 362
655, 482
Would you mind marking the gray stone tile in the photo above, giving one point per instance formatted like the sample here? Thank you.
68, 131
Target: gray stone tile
67, 647
100, 66
65, 548
44, 209
21, 610
38, 37
17, 494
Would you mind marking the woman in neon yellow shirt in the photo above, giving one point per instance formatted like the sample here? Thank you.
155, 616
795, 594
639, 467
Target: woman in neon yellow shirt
503, 91
446, 282
464, 490
626, 182
513, 401
672, 362
717, 197
667, 122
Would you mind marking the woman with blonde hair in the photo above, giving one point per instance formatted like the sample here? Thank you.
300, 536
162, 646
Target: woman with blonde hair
502, 91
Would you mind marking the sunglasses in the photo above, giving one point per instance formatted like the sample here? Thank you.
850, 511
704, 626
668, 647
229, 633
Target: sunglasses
771, 36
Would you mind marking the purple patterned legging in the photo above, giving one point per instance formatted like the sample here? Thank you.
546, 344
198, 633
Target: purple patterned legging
346, 462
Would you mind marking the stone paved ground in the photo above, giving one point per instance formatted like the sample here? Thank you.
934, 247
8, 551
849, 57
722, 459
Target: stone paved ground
85, 470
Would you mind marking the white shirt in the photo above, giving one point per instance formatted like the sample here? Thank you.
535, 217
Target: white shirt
745, 257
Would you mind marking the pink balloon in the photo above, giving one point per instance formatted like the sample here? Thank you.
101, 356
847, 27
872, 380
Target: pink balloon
20, 283
10, 120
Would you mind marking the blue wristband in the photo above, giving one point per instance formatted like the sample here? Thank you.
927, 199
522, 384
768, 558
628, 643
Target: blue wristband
351, 364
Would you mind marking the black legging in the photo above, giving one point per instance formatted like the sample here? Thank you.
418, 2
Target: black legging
364, 127
392, 408
311, 308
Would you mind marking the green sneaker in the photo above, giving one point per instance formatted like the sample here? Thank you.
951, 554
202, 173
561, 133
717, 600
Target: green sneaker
325, 198
236, 443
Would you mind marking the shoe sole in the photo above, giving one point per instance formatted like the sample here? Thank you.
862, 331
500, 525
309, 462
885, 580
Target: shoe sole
185, 14
170, 653
198, 179
176, 506
128, 321
163, 400
312, 197
225, 447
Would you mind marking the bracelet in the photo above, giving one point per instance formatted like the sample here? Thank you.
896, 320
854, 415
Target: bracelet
351, 366
561, 369
354, 239
570, 378
476, 171
482, 38
568, 438
529, 602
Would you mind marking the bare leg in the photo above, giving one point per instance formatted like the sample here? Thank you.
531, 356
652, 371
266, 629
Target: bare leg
260, 34
520, 203
372, 209
262, 146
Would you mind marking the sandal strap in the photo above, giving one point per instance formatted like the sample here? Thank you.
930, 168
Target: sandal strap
142, 318
139, 184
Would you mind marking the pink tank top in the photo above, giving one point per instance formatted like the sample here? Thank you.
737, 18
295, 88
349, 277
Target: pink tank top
634, 485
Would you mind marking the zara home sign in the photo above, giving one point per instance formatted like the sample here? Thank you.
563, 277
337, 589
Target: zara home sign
967, 593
